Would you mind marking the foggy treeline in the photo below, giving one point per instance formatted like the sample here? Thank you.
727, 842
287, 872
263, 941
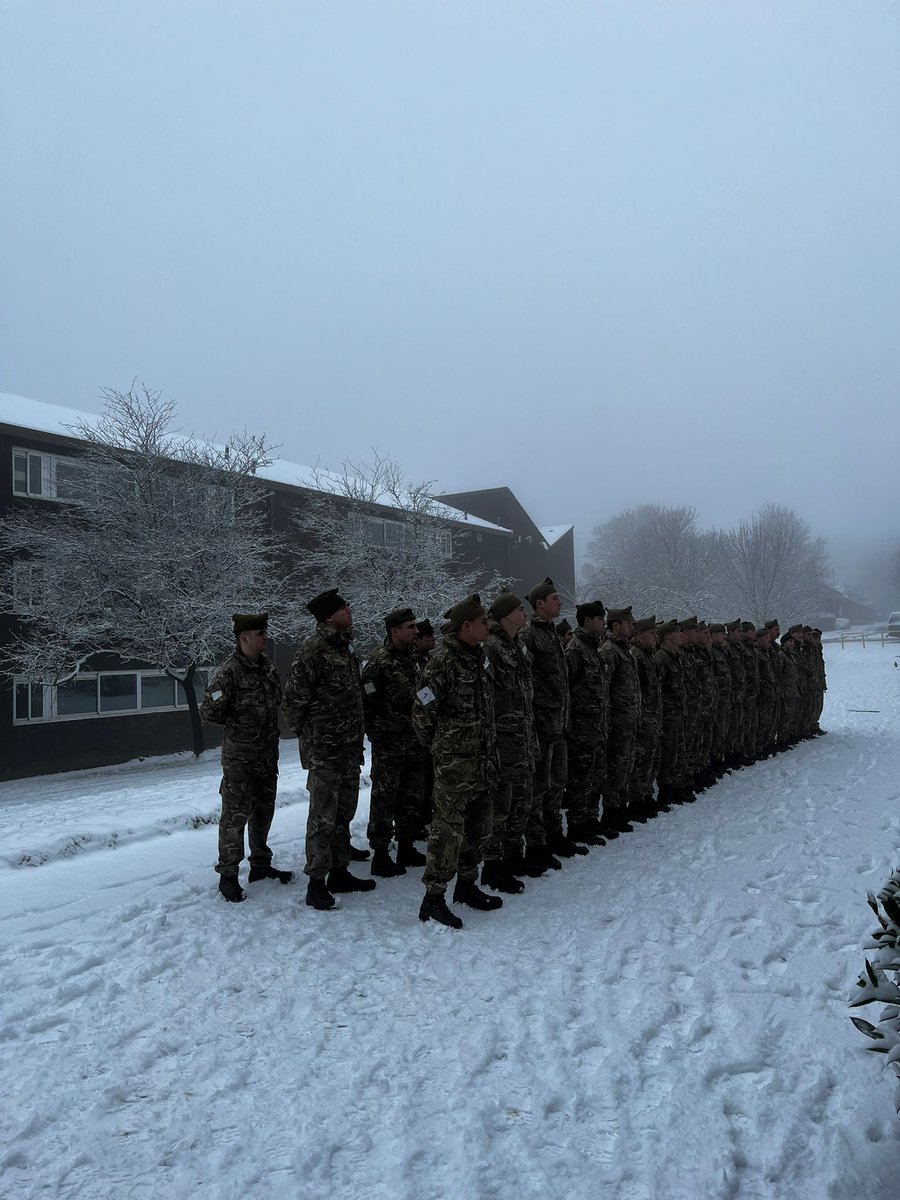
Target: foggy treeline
660, 560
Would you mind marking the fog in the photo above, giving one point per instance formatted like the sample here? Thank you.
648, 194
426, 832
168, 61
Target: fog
603, 253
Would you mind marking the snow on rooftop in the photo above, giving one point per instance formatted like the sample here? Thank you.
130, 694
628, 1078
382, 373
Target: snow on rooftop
552, 533
52, 418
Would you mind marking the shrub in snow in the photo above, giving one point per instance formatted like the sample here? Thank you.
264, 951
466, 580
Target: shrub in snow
881, 979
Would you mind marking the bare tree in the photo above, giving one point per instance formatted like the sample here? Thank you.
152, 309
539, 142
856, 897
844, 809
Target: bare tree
772, 565
162, 537
386, 543
653, 557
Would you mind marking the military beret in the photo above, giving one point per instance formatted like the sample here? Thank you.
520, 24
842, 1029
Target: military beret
717, 627
817, 632
644, 624
807, 628
246, 622
618, 614
702, 625
795, 628
687, 623
466, 610
504, 604
732, 626
748, 627
665, 628
326, 604
398, 617
563, 628
787, 637
425, 628
540, 591
772, 624
590, 608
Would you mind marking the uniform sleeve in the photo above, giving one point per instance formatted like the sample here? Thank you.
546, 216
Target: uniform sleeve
217, 698
298, 691
370, 681
425, 707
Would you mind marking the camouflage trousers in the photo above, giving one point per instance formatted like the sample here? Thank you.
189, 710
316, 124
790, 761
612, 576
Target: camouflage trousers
765, 727
395, 807
333, 795
671, 771
550, 775
427, 801
704, 740
586, 763
460, 827
751, 724
719, 734
786, 721
511, 810
619, 765
646, 766
248, 801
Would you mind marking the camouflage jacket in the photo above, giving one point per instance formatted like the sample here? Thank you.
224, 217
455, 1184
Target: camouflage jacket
323, 698
722, 672
671, 686
691, 679
707, 689
819, 658
788, 682
650, 723
751, 675
390, 680
738, 673
454, 712
624, 687
765, 661
513, 699
806, 669
244, 697
551, 680
588, 689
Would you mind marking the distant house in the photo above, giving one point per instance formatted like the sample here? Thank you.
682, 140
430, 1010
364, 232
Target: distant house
834, 604
102, 720
535, 551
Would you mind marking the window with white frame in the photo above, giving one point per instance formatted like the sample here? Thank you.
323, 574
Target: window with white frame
45, 476
102, 694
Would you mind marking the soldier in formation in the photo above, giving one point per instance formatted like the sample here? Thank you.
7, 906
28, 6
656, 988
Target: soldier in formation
519, 728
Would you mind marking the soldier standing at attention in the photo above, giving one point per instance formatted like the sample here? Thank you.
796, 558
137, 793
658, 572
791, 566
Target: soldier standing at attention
646, 746
323, 706
624, 713
722, 670
565, 631
389, 685
516, 741
545, 837
244, 696
672, 771
821, 681
425, 641
454, 717
589, 727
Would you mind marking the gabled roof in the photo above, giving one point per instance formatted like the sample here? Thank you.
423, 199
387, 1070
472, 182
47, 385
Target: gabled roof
552, 533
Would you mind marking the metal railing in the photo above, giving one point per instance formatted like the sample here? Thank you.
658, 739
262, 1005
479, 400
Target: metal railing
878, 635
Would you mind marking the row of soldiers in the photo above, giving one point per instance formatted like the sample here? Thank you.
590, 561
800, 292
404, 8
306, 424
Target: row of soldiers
519, 741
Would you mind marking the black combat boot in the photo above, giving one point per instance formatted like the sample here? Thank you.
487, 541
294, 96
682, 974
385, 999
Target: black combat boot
409, 856
634, 813
522, 864
468, 892
543, 854
358, 855
270, 872
686, 796
384, 865
318, 895
584, 833
231, 888
493, 875
434, 908
608, 826
340, 880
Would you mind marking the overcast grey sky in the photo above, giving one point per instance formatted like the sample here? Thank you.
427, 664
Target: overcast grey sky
604, 253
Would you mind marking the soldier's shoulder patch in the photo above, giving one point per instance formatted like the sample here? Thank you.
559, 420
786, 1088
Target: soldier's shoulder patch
217, 695
425, 695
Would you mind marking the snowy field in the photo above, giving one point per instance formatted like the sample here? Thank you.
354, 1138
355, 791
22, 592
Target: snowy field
663, 1020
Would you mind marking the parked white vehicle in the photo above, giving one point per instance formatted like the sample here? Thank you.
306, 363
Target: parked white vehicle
894, 625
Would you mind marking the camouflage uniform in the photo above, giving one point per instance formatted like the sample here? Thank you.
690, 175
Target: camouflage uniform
734, 744
765, 730
244, 696
586, 751
323, 706
389, 686
821, 682
624, 713
551, 719
708, 696
649, 728
722, 672
751, 698
690, 674
672, 769
454, 715
516, 741
787, 695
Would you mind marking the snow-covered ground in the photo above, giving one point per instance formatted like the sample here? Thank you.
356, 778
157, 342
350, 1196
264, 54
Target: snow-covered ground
663, 1020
